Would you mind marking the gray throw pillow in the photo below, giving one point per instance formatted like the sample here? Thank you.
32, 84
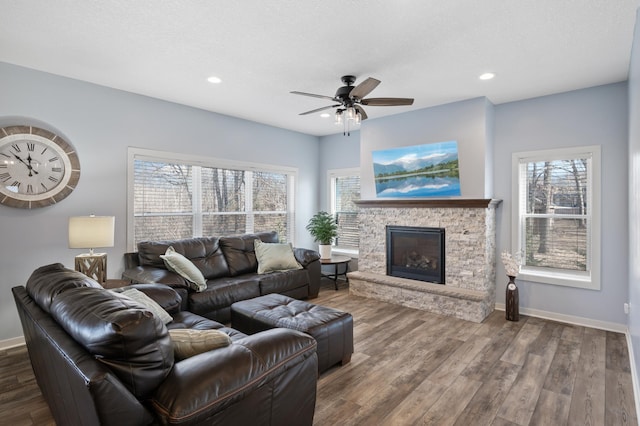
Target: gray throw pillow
189, 342
148, 303
275, 257
185, 268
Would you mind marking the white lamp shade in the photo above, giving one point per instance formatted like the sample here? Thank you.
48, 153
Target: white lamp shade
91, 231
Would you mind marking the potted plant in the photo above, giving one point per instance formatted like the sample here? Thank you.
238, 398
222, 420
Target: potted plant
323, 228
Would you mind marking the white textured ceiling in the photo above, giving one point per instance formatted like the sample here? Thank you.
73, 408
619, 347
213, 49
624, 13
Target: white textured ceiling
431, 50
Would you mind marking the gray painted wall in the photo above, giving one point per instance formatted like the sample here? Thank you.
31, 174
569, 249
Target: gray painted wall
594, 116
634, 198
464, 122
336, 152
101, 123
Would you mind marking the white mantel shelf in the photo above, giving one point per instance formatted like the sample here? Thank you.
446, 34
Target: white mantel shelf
468, 203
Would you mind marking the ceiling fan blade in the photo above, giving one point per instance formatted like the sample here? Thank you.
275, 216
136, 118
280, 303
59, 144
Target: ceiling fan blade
318, 109
312, 95
387, 101
364, 88
363, 115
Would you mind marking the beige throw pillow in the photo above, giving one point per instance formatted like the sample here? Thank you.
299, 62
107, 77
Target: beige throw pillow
185, 268
188, 342
275, 257
148, 303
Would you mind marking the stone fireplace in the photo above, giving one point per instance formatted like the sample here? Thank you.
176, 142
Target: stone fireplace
469, 248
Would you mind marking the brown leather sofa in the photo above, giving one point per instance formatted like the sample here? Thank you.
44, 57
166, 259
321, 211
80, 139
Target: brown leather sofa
229, 264
101, 358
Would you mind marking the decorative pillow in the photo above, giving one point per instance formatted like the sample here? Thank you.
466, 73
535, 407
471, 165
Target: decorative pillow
148, 303
185, 268
188, 342
275, 257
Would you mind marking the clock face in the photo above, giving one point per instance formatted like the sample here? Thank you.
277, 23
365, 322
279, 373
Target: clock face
37, 168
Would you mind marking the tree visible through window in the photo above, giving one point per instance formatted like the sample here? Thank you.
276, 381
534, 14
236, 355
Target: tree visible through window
174, 200
556, 214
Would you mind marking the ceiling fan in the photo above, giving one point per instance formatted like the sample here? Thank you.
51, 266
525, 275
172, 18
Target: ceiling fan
349, 99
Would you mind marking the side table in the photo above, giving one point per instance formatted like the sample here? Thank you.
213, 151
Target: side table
336, 261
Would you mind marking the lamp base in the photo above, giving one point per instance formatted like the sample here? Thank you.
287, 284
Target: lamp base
93, 265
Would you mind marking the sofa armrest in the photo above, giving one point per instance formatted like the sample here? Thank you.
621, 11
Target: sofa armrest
152, 274
305, 256
272, 374
131, 260
310, 260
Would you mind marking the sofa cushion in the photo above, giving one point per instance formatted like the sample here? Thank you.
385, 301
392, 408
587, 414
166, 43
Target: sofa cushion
185, 268
274, 257
223, 292
204, 252
239, 251
189, 342
46, 282
120, 333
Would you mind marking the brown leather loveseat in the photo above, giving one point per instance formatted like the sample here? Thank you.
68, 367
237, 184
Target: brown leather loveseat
102, 358
230, 268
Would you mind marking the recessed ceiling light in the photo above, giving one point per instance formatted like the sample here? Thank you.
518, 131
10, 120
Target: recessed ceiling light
487, 76
325, 115
213, 79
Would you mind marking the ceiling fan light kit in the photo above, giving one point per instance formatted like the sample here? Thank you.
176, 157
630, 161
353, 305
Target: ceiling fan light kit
350, 99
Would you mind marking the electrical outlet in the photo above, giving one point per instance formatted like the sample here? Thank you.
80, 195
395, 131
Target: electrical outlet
626, 308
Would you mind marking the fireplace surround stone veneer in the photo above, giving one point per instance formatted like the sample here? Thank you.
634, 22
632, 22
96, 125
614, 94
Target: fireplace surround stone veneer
470, 243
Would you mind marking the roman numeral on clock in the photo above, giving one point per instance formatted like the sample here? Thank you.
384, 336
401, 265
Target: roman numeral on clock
5, 177
31, 146
15, 147
53, 179
29, 189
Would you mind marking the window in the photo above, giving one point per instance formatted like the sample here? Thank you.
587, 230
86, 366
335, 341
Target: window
556, 223
174, 197
345, 189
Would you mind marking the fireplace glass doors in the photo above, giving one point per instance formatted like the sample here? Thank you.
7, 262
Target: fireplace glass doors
416, 253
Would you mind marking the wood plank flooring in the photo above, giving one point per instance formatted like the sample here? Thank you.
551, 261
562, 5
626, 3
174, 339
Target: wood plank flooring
415, 368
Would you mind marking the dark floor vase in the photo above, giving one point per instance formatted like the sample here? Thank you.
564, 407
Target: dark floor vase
512, 303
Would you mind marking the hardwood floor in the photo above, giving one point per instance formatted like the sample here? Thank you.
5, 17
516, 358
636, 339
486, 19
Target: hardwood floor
411, 368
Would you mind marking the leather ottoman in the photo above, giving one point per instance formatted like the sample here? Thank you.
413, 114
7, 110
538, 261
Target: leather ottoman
332, 329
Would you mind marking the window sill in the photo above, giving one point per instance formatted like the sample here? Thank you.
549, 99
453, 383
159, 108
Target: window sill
352, 253
561, 279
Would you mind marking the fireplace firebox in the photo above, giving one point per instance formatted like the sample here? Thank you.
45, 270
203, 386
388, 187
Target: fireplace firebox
416, 253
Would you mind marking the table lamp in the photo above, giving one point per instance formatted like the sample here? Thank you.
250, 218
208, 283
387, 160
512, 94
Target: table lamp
89, 232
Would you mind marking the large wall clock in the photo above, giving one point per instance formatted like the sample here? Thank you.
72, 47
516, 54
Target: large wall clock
37, 167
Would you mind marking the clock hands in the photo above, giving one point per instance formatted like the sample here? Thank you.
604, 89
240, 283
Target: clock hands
29, 166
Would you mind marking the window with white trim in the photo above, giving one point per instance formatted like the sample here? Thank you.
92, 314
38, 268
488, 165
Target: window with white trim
345, 189
556, 216
174, 196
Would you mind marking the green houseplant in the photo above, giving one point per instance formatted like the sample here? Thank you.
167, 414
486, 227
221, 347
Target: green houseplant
323, 228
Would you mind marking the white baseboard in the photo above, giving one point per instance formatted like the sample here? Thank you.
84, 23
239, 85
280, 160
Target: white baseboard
11, 343
570, 319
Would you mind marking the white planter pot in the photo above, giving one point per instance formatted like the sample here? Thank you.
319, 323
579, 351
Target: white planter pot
325, 251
